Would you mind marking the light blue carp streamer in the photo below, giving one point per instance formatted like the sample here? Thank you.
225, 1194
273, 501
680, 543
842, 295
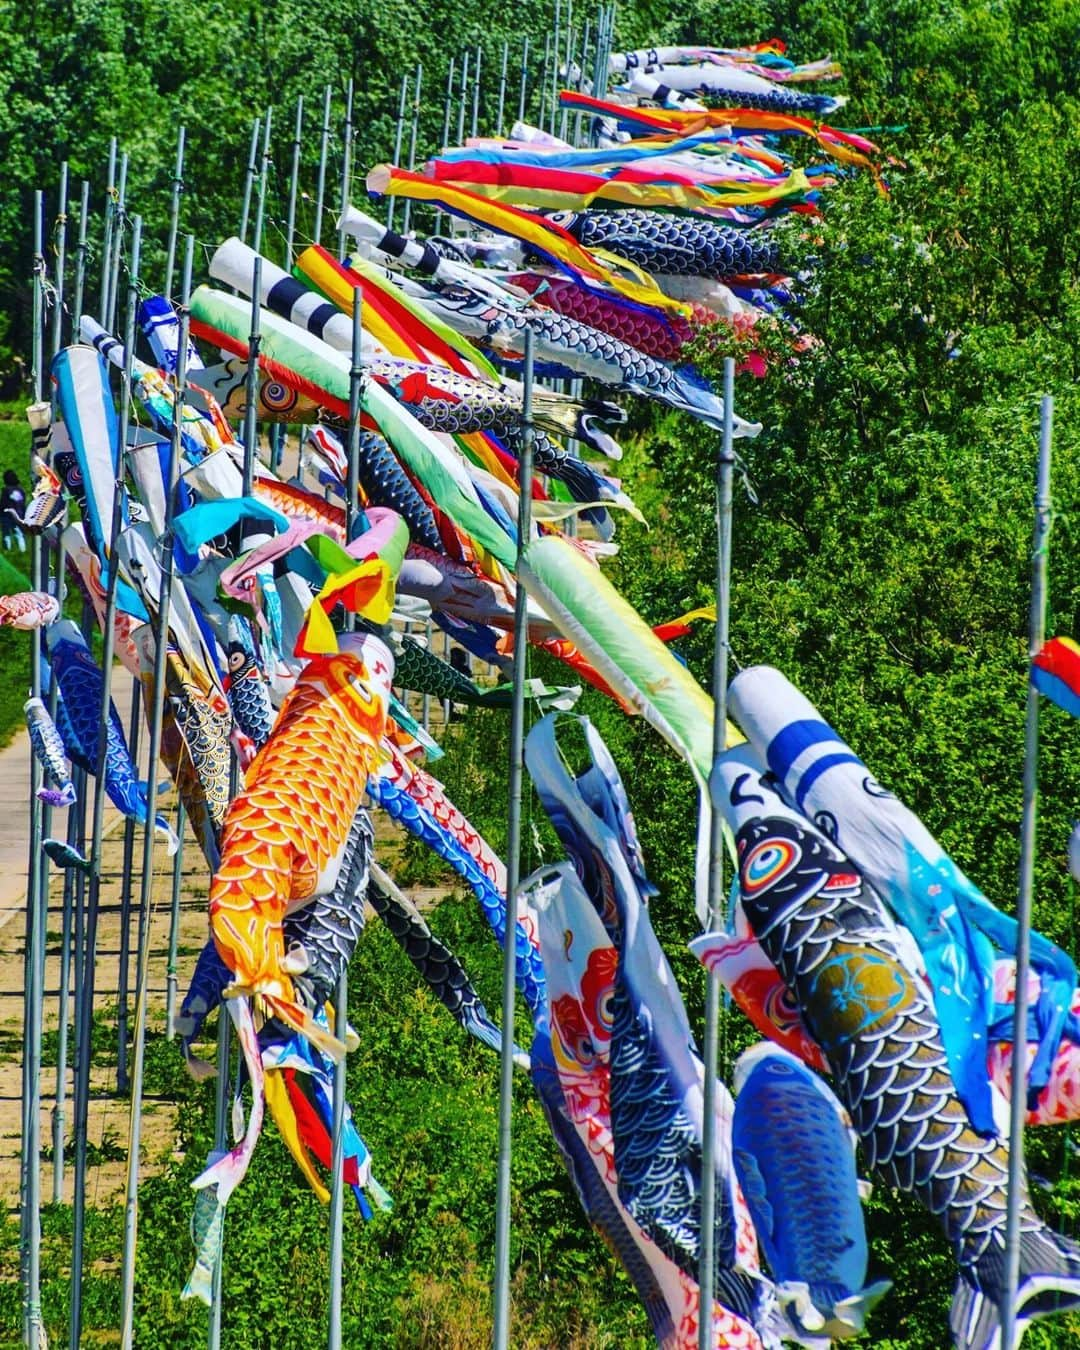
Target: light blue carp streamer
794, 1156
48, 748
207, 1232
530, 970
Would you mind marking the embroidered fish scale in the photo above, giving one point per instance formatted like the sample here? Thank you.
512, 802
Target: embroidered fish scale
436, 963
675, 245
385, 483
249, 695
830, 938
662, 337
530, 972
288, 825
328, 927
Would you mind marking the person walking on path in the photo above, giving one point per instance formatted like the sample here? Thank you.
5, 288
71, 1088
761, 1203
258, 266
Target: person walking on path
12, 506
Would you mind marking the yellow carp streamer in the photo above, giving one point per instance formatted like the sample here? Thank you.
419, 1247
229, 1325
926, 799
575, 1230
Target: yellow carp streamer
285, 831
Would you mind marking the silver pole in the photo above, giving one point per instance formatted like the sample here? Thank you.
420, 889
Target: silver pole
337, 1154
249, 178
446, 109
464, 92
85, 1010
475, 122
221, 1115
724, 481
174, 928
290, 220
499, 121
59, 1122
356, 377
555, 65
126, 881
324, 147
36, 903
513, 868
399, 132
117, 246
61, 251
106, 241
580, 82
407, 218
524, 78
157, 704
264, 174
425, 700
1018, 1092
174, 210
251, 411
542, 113
346, 166
337, 1170
80, 252
571, 53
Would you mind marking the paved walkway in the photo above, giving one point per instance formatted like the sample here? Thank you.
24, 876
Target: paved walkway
107, 1125
15, 807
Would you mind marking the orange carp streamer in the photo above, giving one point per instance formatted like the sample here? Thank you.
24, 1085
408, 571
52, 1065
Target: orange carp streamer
284, 833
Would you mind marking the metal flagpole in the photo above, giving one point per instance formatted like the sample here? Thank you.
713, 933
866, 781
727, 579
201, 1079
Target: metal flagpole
290, 219
341, 1020
174, 210
249, 178
106, 240
59, 1120
499, 122
68, 890
117, 245
555, 66
1018, 1093
61, 250
264, 174
579, 83
30, 1179
221, 1115
542, 112
346, 166
85, 1010
324, 147
425, 698
399, 132
251, 410
571, 54
464, 93
126, 878
156, 710
475, 120
80, 252
513, 868
446, 110
524, 78
174, 928
419, 78
724, 483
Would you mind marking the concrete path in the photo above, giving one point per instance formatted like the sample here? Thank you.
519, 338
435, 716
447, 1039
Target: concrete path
15, 806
